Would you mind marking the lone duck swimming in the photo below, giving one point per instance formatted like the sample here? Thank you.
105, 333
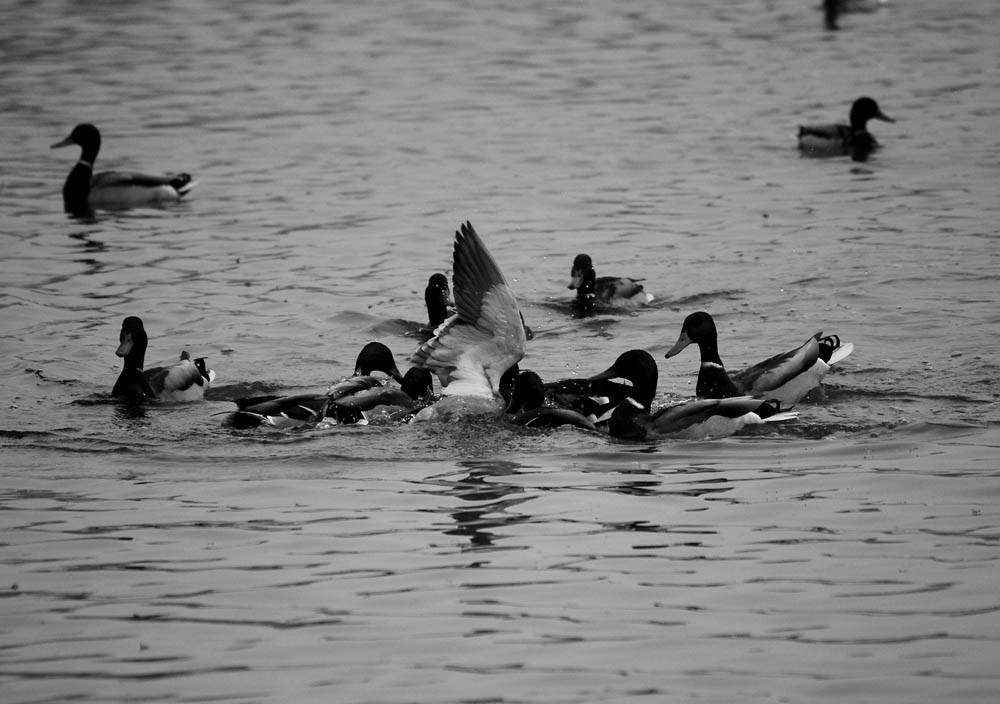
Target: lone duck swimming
85, 190
840, 139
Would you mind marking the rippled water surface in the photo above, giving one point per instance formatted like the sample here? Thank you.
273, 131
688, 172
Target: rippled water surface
156, 555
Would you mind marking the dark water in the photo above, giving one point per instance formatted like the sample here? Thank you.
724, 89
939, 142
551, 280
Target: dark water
155, 555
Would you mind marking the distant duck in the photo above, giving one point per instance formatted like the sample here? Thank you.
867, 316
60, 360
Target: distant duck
298, 410
474, 348
527, 406
840, 139
786, 377
609, 290
635, 418
832, 9
85, 190
187, 380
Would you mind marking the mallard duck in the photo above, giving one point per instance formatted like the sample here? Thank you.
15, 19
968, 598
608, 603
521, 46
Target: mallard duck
614, 290
786, 377
85, 190
527, 406
693, 420
387, 403
839, 139
635, 419
472, 350
187, 380
437, 297
298, 410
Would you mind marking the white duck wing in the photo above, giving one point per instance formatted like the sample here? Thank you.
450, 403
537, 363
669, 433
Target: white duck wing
470, 351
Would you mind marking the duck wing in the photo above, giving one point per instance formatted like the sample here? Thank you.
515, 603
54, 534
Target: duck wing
183, 381
280, 411
778, 370
181, 183
470, 351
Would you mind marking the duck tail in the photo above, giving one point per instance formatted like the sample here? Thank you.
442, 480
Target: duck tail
183, 184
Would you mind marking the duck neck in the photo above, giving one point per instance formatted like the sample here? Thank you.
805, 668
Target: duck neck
76, 190
437, 310
136, 357
588, 284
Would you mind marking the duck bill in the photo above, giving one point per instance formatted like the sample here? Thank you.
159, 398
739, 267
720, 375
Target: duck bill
682, 341
882, 116
64, 143
125, 346
609, 373
575, 279
394, 373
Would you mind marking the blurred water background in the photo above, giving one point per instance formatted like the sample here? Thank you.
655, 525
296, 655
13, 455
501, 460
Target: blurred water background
156, 555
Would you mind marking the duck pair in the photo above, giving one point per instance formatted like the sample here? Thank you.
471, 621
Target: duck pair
360, 398
726, 402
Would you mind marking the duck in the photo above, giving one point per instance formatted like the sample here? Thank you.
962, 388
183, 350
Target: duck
388, 403
840, 139
832, 9
297, 410
85, 190
527, 406
473, 349
610, 290
635, 418
785, 377
186, 380
437, 298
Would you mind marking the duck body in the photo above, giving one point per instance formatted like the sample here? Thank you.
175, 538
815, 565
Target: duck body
635, 419
592, 289
786, 377
693, 420
186, 380
336, 405
528, 406
85, 190
852, 139
473, 349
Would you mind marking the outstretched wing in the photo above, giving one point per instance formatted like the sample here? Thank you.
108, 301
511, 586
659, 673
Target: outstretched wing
471, 350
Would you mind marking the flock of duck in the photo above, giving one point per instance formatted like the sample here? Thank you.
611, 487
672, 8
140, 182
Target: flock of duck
474, 344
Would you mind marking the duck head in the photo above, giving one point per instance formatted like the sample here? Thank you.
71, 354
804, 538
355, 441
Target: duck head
87, 138
132, 342
376, 357
638, 368
417, 383
698, 328
583, 269
437, 296
865, 109
528, 393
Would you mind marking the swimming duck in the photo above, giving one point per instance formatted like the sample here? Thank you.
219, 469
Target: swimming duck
437, 297
786, 377
592, 289
387, 403
85, 190
527, 406
473, 349
839, 139
693, 420
635, 419
187, 380
309, 409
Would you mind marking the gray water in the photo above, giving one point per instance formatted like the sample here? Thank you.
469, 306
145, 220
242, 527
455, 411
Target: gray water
156, 555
